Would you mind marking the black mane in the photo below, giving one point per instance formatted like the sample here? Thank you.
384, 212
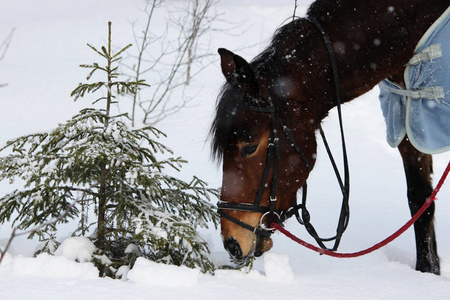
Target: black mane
229, 102
328, 9
230, 99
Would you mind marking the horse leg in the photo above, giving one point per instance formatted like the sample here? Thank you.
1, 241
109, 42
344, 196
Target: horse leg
418, 168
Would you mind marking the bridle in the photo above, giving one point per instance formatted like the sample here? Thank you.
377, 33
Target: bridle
272, 160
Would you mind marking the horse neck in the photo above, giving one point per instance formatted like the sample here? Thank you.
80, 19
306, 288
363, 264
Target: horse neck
372, 40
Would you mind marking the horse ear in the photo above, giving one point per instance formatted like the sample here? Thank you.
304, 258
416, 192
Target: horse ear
236, 69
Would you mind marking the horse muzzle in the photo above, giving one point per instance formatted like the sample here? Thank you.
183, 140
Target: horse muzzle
261, 245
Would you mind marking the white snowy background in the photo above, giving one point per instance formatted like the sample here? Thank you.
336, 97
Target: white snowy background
40, 70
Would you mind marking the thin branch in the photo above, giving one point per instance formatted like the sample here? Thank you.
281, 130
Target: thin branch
142, 48
4, 47
295, 10
172, 66
5, 44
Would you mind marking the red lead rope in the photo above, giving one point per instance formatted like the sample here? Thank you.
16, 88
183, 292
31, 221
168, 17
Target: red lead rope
380, 244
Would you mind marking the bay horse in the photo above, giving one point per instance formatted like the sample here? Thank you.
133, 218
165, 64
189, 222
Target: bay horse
272, 106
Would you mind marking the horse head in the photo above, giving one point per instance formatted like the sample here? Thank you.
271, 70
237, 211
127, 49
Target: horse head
249, 135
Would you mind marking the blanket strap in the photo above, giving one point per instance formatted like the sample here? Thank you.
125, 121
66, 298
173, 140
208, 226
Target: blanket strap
434, 92
429, 53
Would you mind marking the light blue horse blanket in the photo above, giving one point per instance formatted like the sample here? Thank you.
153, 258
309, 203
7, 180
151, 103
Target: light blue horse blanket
422, 110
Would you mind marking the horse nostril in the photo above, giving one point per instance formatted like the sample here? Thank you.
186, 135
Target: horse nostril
258, 252
232, 246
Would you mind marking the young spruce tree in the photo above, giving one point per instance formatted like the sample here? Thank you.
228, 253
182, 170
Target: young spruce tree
98, 171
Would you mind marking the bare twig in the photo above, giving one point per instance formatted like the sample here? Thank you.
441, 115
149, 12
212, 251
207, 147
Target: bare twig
5, 44
295, 10
144, 42
4, 47
168, 60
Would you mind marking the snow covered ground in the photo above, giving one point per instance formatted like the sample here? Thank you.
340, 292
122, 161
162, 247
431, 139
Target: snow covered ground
41, 68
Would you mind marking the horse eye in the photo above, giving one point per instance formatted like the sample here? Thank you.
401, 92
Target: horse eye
248, 150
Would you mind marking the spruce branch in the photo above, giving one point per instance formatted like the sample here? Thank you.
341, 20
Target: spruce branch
35, 229
122, 87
